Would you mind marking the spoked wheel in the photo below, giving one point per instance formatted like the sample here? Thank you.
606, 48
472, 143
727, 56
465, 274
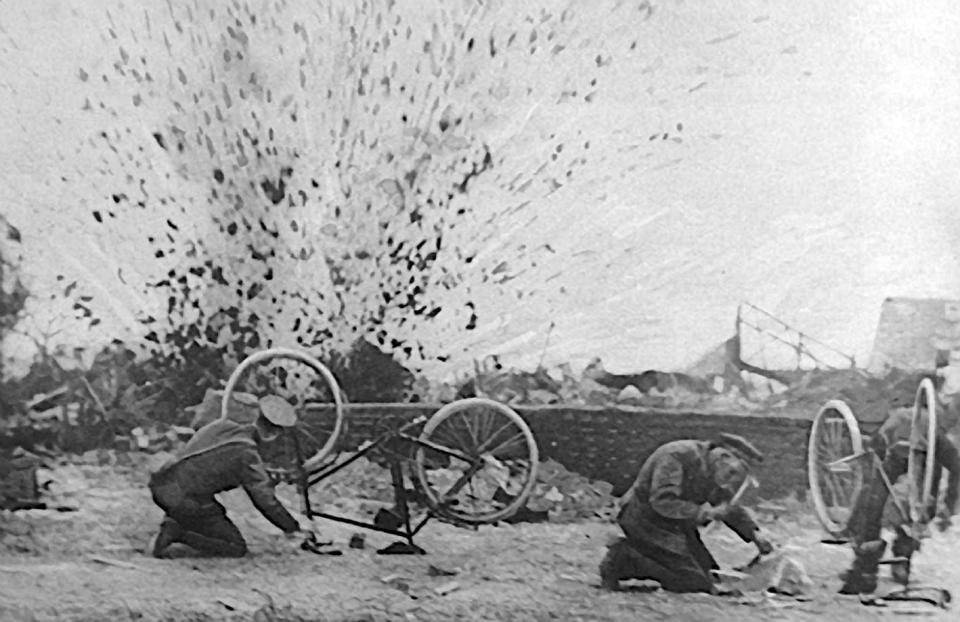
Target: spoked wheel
476, 462
921, 487
835, 473
311, 389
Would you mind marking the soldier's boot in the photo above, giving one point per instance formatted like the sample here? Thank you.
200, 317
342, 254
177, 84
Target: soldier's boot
904, 545
861, 578
863, 552
611, 567
169, 533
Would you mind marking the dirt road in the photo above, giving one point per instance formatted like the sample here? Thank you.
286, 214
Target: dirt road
90, 565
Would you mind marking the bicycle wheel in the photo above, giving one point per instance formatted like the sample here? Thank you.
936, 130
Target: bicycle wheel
921, 489
834, 482
477, 462
309, 386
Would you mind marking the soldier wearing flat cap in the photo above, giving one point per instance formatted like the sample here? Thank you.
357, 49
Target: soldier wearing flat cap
222, 455
682, 486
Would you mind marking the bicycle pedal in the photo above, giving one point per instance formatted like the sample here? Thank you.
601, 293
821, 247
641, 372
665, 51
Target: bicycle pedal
319, 548
936, 596
401, 548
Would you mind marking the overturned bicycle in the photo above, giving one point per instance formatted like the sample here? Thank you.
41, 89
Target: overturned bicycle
472, 462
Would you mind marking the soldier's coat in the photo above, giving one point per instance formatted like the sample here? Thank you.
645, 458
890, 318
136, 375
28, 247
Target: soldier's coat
659, 514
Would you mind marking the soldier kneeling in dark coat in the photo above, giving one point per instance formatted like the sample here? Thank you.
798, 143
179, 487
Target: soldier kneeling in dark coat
221, 456
682, 486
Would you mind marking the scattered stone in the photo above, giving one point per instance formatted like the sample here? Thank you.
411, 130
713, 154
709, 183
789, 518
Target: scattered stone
436, 571
446, 588
114, 562
232, 604
567, 496
777, 573
357, 541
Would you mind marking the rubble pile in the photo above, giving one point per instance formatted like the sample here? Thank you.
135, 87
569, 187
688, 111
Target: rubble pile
115, 402
362, 480
567, 496
597, 387
19, 488
870, 397
794, 393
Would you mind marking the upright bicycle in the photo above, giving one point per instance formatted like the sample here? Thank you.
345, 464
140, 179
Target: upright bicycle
838, 464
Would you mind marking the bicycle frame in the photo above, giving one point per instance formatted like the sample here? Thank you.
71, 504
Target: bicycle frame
444, 504
933, 595
877, 466
408, 531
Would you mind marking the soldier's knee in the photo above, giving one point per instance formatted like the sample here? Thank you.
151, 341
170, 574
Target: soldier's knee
614, 565
235, 549
904, 545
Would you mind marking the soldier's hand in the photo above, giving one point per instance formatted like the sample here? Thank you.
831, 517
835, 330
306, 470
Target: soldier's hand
878, 444
300, 534
764, 546
704, 514
709, 513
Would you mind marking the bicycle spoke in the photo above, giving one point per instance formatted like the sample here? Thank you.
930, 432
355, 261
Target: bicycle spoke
519, 436
834, 432
449, 432
483, 447
840, 435
824, 442
830, 447
831, 486
843, 491
310, 437
826, 438
465, 417
827, 456
445, 438
463, 435
487, 424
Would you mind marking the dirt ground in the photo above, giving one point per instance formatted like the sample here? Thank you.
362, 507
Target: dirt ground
90, 565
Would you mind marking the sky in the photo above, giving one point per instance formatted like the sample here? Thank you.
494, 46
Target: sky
798, 156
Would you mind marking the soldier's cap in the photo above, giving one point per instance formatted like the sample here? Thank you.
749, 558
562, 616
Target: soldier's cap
740, 446
278, 411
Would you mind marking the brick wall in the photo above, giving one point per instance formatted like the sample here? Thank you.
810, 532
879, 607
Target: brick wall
611, 443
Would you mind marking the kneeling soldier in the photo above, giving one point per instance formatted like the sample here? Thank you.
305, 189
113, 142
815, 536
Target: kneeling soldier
221, 456
683, 485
